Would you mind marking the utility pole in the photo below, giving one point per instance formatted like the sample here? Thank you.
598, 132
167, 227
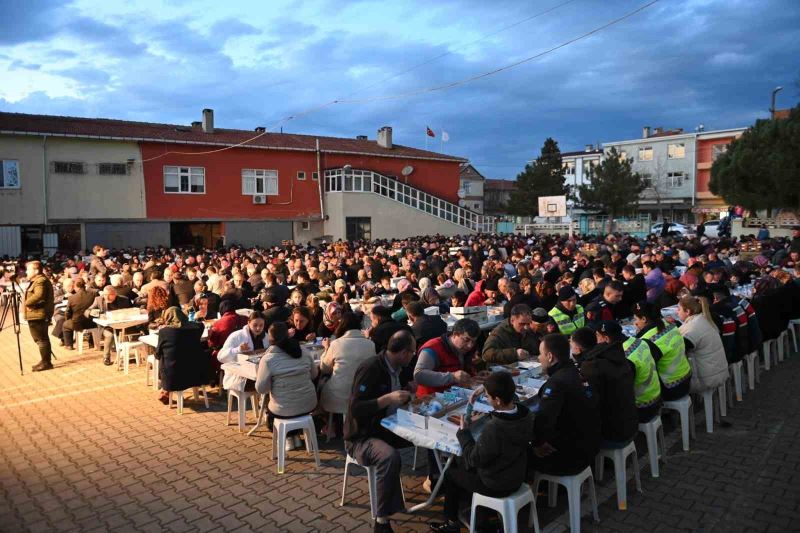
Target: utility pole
775, 91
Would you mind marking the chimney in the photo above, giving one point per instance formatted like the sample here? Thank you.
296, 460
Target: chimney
385, 137
645, 132
361, 137
589, 147
196, 125
261, 129
208, 120
659, 130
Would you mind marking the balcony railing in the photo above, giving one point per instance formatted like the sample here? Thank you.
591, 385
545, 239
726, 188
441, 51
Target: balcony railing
367, 181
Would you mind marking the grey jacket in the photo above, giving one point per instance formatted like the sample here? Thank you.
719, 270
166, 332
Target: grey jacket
288, 381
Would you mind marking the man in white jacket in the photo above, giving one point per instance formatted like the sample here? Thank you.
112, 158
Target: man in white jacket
247, 340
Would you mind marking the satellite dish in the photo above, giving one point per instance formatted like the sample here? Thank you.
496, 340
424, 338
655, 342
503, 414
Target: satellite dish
461, 193
407, 170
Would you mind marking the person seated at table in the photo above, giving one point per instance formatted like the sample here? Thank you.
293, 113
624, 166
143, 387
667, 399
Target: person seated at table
379, 388
704, 346
274, 310
403, 287
300, 327
121, 287
512, 339
205, 303
108, 300
443, 362
383, 327
401, 315
634, 290
643, 354
67, 290
566, 426
602, 308
296, 299
312, 303
184, 363
673, 367
157, 303
219, 332
458, 299
567, 314
485, 293
251, 338
330, 320
341, 359
74, 319
495, 464
424, 327
611, 376
286, 374
181, 289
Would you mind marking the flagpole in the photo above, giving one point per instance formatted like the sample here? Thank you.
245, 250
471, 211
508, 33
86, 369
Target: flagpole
441, 142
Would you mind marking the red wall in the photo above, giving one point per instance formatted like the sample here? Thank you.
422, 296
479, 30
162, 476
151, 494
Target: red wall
705, 154
223, 173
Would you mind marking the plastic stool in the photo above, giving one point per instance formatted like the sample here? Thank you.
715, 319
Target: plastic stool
241, 404
282, 427
124, 354
179, 399
508, 508
791, 331
783, 345
723, 404
620, 458
82, 337
654, 432
769, 351
708, 406
573, 485
736, 371
684, 408
752, 369
151, 363
371, 483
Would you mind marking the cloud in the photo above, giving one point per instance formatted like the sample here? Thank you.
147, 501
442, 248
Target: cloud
21, 65
731, 59
26, 20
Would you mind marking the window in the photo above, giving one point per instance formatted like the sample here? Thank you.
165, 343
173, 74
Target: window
112, 169
68, 167
185, 180
674, 179
259, 181
477, 206
569, 168
305, 225
315, 176
647, 181
676, 151
646, 153
301, 175
10, 177
717, 150
466, 186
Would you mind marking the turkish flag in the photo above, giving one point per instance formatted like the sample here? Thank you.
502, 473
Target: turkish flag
430, 132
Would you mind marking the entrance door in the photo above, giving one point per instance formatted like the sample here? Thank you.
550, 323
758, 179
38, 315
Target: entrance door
358, 228
199, 234
32, 240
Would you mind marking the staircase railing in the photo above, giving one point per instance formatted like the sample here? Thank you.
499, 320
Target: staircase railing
367, 181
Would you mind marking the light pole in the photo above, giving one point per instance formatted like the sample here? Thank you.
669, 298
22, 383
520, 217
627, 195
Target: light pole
775, 91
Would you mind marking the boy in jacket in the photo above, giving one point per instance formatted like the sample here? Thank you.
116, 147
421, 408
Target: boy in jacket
495, 464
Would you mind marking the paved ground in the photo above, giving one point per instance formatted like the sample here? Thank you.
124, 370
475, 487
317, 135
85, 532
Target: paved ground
87, 448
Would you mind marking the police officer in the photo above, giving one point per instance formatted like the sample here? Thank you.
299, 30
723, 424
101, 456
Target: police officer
646, 386
567, 314
602, 308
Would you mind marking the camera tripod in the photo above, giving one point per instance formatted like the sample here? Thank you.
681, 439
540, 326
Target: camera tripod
11, 307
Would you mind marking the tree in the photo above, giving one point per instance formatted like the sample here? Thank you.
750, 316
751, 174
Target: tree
543, 177
761, 169
613, 187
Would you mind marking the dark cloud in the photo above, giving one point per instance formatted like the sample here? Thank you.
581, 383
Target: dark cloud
230, 28
22, 65
26, 20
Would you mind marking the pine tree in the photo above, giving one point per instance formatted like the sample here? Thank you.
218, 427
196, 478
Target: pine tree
543, 177
613, 187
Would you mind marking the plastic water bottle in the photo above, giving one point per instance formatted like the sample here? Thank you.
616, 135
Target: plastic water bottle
191, 315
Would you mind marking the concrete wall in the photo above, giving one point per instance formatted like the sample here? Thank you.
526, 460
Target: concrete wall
26, 204
125, 234
390, 219
92, 196
258, 233
315, 232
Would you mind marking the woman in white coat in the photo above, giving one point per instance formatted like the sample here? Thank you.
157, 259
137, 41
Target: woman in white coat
247, 340
704, 346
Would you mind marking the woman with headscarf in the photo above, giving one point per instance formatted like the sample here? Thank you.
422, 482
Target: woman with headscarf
330, 320
403, 287
184, 363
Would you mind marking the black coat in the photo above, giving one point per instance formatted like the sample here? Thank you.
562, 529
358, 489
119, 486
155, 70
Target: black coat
427, 327
279, 313
184, 363
381, 333
611, 376
77, 304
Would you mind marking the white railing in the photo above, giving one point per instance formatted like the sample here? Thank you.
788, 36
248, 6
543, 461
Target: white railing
367, 181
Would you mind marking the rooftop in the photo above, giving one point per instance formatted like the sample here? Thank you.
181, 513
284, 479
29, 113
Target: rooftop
498, 184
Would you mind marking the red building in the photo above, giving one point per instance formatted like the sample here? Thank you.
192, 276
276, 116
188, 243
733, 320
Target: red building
709, 146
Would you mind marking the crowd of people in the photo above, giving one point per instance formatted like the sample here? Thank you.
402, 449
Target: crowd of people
589, 309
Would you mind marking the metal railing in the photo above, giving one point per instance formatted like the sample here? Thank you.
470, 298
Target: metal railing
367, 181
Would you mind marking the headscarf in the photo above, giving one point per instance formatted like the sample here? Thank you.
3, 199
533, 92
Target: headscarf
175, 318
328, 316
424, 283
403, 285
430, 297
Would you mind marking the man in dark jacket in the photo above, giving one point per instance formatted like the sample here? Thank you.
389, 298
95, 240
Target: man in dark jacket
512, 339
634, 290
567, 423
274, 310
611, 376
424, 327
378, 390
496, 464
77, 304
39, 306
108, 300
383, 327
181, 289
96, 261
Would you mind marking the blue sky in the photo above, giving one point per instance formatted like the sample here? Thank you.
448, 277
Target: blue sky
676, 64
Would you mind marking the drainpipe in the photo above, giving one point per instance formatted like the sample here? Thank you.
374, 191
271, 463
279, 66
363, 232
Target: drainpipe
320, 177
694, 172
44, 175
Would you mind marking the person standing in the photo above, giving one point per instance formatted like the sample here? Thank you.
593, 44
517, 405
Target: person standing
39, 307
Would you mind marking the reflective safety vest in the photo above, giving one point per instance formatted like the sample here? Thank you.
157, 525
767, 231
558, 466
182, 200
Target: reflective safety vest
673, 366
645, 385
567, 325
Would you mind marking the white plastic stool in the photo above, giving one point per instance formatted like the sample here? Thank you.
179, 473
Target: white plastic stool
708, 406
124, 354
686, 413
151, 363
372, 485
723, 404
620, 458
769, 351
282, 427
179, 400
508, 508
735, 370
654, 433
573, 485
791, 331
241, 404
82, 337
783, 345
752, 369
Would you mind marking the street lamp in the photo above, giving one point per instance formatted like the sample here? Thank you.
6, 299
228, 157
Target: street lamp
775, 91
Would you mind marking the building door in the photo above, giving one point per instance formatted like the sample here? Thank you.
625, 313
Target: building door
199, 234
358, 228
32, 240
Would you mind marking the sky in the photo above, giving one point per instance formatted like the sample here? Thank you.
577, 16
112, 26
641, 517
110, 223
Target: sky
676, 64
